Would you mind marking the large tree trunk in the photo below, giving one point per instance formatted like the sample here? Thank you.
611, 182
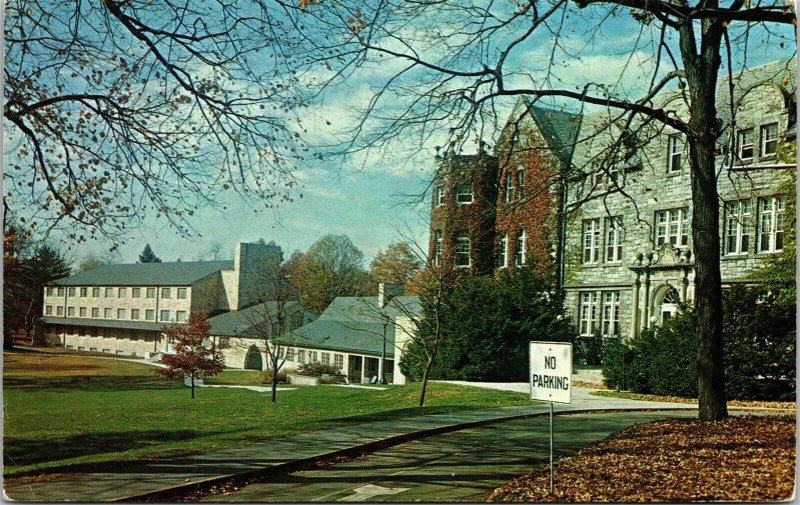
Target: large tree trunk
701, 74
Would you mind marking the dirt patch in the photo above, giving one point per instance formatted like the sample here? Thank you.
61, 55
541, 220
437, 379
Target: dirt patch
739, 459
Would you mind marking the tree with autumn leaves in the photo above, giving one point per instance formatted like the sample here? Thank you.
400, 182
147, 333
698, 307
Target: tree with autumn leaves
192, 358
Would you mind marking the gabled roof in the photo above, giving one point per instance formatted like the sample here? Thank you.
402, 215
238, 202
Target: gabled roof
357, 324
238, 322
560, 128
179, 273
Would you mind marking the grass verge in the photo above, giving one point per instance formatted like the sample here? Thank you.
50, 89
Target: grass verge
739, 459
62, 410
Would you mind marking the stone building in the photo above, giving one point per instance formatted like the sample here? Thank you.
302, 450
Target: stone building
463, 212
628, 247
608, 204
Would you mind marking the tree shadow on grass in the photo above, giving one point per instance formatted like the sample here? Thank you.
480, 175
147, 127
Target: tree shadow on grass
388, 415
97, 383
20, 452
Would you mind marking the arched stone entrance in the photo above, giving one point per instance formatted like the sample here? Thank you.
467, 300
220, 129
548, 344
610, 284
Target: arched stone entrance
665, 304
253, 359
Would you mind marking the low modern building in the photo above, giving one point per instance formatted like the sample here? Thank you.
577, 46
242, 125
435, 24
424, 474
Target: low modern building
361, 336
122, 309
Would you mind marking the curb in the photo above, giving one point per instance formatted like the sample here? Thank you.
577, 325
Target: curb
172, 493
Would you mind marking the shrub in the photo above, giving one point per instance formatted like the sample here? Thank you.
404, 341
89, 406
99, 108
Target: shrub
266, 377
759, 339
487, 324
317, 369
588, 350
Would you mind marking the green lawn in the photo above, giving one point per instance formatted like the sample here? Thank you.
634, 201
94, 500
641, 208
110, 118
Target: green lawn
62, 409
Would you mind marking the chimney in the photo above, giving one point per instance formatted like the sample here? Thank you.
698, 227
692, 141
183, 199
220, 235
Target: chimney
387, 291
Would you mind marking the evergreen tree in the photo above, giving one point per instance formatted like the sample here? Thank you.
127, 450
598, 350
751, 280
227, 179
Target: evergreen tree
148, 256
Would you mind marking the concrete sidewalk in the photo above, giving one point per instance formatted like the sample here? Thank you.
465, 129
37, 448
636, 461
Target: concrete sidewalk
136, 480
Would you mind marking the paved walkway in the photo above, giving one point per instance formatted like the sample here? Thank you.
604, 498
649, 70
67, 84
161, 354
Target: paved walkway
136, 479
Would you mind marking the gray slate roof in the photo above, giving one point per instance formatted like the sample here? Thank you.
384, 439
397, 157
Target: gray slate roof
238, 322
179, 273
559, 128
357, 325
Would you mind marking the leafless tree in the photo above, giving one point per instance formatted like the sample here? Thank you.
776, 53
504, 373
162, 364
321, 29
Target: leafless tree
452, 65
274, 320
117, 110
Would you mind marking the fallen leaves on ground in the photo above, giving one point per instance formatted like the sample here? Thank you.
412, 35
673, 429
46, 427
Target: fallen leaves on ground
755, 404
738, 459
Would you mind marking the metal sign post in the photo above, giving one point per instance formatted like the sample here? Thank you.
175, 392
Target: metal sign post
551, 375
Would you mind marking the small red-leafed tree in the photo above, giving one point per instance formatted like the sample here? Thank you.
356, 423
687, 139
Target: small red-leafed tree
192, 358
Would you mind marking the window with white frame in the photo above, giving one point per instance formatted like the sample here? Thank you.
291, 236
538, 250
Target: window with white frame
71, 291
769, 139
461, 249
150, 314
181, 294
675, 148
61, 291
313, 356
672, 227
163, 315
180, 316
509, 187
587, 311
109, 293
438, 198
48, 310
737, 227
95, 292
84, 292
122, 292
326, 358
82, 312
135, 314
95, 312
70, 311
166, 293
744, 144
591, 240
50, 291
136, 292
770, 224
610, 314
502, 252
301, 357
107, 313
615, 235
520, 182
338, 361
120, 313
464, 193
60, 310
519, 257
290, 354
437, 247
151, 292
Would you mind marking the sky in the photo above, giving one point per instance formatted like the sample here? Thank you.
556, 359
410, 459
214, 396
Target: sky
364, 199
